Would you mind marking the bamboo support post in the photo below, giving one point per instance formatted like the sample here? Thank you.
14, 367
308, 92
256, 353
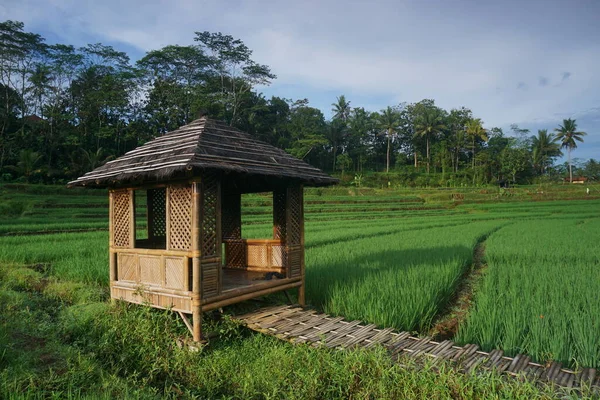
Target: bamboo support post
301, 298
196, 278
111, 240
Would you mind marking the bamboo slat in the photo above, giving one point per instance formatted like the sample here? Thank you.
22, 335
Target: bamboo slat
299, 325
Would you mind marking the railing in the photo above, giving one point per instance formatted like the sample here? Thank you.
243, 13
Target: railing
255, 254
149, 267
158, 277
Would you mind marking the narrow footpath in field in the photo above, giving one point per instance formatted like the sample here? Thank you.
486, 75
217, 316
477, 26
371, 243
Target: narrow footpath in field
447, 323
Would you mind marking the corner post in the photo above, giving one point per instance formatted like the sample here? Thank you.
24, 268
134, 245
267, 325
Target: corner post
196, 277
112, 262
294, 211
301, 298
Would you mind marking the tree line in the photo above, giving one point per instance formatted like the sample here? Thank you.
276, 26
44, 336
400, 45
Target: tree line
66, 110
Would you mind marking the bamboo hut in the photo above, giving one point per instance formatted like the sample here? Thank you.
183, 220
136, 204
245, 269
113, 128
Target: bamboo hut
189, 255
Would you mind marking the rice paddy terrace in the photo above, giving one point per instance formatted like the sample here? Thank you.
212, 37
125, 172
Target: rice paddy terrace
517, 271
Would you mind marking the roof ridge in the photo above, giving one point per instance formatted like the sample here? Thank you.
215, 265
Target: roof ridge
204, 143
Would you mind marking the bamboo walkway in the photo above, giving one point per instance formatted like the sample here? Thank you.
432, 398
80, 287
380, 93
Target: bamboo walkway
298, 325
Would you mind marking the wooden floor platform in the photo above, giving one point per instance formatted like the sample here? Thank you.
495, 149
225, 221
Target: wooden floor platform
298, 325
236, 279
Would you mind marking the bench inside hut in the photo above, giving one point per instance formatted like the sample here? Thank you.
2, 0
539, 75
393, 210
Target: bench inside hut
175, 220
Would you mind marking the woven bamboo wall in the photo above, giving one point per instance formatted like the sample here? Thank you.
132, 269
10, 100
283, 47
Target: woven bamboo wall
179, 208
294, 250
122, 201
157, 213
210, 236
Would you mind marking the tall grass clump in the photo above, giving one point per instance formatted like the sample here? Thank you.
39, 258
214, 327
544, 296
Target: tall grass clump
401, 279
540, 293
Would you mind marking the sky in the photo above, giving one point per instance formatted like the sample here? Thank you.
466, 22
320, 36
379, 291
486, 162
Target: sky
527, 62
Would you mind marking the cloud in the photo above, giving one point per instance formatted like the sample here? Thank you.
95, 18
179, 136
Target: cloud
377, 53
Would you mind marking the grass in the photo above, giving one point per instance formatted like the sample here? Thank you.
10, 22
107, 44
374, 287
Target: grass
541, 299
57, 345
393, 258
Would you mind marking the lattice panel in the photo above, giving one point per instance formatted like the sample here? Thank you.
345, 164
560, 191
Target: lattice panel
294, 216
157, 212
277, 255
150, 267
175, 273
121, 216
127, 268
279, 220
231, 217
235, 253
257, 256
180, 217
210, 279
295, 257
208, 226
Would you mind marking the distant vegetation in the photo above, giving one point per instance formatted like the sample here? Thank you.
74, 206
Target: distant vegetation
67, 110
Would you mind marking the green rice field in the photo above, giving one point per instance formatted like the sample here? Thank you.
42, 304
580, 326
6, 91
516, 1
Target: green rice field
393, 258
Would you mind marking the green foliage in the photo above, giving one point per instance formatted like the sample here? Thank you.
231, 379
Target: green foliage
67, 110
390, 257
555, 292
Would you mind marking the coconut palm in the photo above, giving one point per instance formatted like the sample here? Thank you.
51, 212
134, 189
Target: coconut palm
544, 147
341, 109
475, 130
568, 135
389, 119
341, 112
27, 164
429, 124
94, 159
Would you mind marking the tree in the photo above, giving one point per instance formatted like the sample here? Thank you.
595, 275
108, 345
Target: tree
568, 135
514, 160
307, 130
28, 161
360, 124
19, 53
389, 120
339, 124
429, 124
457, 120
544, 149
336, 130
341, 109
175, 75
343, 163
475, 131
235, 69
592, 169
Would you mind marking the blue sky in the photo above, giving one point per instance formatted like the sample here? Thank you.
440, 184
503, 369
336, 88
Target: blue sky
527, 62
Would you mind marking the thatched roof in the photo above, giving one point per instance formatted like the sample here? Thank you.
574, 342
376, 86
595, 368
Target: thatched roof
204, 144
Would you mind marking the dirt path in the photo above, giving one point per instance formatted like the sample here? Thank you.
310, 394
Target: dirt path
447, 323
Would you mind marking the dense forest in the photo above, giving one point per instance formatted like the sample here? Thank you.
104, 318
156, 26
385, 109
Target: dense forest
67, 110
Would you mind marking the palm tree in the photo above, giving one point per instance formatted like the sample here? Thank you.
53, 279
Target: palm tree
341, 112
341, 109
568, 135
428, 124
544, 147
389, 119
94, 159
475, 130
28, 161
